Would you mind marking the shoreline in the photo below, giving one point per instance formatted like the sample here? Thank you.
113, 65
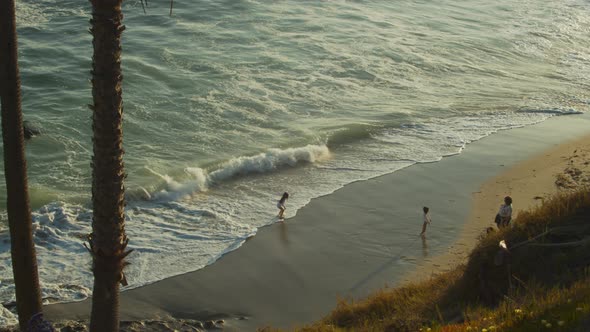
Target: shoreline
528, 183
339, 245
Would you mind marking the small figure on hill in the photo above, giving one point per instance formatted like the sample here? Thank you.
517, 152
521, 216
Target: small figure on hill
427, 220
504, 215
281, 205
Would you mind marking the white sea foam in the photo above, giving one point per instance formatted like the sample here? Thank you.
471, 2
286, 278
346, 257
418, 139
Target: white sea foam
265, 162
30, 14
7, 318
269, 161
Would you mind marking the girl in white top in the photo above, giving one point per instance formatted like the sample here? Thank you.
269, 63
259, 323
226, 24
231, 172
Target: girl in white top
505, 212
427, 220
281, 205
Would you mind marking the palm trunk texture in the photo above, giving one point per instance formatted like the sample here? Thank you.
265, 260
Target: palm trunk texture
108, 240
24, 263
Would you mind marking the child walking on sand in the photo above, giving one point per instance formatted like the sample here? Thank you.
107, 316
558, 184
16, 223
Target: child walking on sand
427, 220
281, 205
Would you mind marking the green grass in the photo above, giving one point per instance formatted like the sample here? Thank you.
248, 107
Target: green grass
537, 287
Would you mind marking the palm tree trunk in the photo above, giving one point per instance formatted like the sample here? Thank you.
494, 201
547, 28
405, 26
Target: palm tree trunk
24, 263
108, 240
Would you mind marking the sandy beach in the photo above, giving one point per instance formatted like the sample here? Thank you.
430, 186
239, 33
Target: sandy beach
562, 167
365, 236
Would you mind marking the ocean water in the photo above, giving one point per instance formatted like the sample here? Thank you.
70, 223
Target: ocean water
229, 103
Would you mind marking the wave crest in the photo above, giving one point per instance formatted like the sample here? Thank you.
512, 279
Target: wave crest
269, 161
264, 162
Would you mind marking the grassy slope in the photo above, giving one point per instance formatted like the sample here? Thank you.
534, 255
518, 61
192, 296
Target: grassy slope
537, 286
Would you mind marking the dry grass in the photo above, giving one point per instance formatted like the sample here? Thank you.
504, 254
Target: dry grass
533, 308
407, 305
534, 283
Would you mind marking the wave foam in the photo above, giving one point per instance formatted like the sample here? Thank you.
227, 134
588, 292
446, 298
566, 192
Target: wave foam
269, 161
264, 162
7, 318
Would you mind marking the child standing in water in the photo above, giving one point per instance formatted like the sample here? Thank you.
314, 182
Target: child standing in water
427, 220
281, 205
